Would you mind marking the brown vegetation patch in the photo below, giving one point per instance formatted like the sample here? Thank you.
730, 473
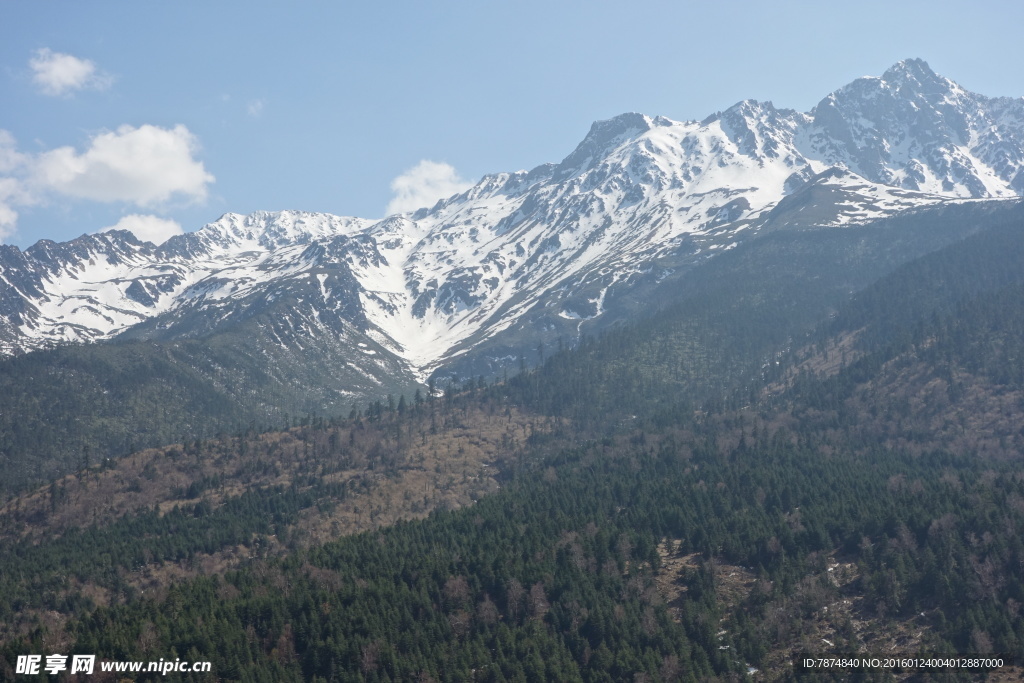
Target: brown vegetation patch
826, 613
393, 468
733, 583
401, 469
961, 412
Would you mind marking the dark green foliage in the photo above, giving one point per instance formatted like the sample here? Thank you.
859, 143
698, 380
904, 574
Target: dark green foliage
40, 576
553, 574
727, 323
889, 310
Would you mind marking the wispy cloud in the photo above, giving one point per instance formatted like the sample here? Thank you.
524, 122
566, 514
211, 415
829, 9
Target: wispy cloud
148, 227
423, 184
56, 73
254, 108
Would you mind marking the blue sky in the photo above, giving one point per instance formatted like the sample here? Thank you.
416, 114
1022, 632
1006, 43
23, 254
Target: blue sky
161, 116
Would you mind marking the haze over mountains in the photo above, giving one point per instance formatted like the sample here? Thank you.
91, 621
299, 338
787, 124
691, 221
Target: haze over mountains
471, 282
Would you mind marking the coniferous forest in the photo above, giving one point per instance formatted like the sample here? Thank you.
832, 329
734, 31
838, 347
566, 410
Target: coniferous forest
814, 447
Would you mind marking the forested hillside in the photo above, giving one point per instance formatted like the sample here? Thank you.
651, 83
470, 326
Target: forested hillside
755, 313
767, 467
63, 408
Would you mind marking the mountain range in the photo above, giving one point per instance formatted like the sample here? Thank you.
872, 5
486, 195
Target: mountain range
474, 282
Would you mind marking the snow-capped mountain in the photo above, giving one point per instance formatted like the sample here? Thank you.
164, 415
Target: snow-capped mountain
529, 253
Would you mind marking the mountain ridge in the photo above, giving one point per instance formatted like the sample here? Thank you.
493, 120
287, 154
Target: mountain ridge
532, 253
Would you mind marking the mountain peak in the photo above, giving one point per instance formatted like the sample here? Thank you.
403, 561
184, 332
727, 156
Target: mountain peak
909, 80
602, 138
620, 125
911, 71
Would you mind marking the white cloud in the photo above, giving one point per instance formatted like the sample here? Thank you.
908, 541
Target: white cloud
254, 108
13, 190
10, 190
58, 74
10, 157
144, 166
424, 184
147, 227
